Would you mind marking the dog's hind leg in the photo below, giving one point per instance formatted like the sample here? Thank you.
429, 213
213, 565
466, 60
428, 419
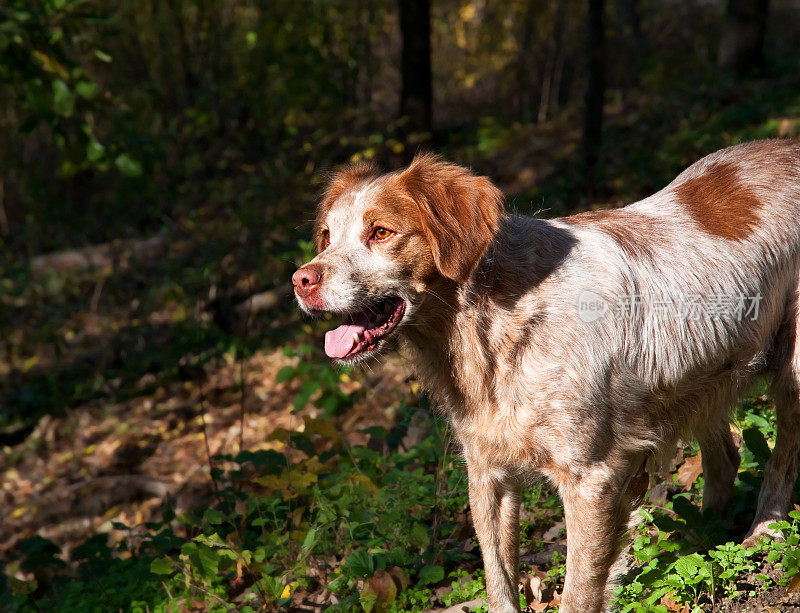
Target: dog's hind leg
780, 473
721, 459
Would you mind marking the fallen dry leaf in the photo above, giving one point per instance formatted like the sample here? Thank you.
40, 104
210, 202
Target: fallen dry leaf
399, 575
793, 584
537, 595
381, 586
532, 589
548, 602
668, 601
689, 471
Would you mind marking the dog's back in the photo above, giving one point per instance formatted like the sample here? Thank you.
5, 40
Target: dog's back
704, 274
645, 321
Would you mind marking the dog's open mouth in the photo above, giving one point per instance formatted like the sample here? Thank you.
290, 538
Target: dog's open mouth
361, 332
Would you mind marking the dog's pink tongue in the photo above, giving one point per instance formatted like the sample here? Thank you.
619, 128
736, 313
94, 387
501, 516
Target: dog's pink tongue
340, 342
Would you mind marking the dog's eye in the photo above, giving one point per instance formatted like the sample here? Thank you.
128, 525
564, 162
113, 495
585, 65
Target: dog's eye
381, 234
325, 240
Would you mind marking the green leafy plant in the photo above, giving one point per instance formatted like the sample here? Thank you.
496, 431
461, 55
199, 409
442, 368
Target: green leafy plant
318, 378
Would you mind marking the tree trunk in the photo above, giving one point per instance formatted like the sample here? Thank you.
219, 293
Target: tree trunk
635, 45
185, 75
553, 68
547, 83
526, 65
416, 95
595, 89
741, 47
555, 95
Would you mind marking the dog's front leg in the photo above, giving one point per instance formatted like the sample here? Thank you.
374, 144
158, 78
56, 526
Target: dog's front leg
494, 498
596, 513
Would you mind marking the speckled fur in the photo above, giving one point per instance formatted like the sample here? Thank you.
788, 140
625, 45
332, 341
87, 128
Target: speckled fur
529, 386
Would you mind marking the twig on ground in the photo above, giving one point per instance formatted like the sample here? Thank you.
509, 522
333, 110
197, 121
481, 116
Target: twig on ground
242, 378
205, 439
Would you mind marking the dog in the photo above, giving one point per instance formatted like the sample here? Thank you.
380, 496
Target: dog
580, 348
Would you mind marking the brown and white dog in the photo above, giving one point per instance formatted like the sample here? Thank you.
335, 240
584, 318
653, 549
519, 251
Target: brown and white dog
581, 348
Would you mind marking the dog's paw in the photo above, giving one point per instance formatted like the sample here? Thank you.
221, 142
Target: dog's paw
759, 530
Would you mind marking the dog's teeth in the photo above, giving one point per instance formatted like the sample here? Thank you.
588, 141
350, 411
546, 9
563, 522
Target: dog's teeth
356, 337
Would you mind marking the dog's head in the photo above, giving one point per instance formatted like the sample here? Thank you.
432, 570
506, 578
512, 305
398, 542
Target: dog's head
385, 242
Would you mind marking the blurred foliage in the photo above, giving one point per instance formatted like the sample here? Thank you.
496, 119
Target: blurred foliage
116, 118
150, 102
48, 103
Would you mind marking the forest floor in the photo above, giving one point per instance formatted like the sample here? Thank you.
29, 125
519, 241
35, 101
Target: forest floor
164, 450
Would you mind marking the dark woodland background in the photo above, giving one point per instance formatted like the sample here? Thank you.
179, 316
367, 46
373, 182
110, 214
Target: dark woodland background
171, 437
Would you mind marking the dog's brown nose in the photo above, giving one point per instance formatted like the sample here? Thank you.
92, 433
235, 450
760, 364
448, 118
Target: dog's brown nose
306, 279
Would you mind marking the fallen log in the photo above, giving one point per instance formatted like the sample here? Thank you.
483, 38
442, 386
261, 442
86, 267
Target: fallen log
264, 301
98, 256
235, 318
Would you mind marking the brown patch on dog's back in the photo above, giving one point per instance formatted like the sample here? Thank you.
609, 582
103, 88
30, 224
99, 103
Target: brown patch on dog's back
720, 202
631, 231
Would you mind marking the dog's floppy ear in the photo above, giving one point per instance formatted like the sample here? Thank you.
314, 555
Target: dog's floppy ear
459, 211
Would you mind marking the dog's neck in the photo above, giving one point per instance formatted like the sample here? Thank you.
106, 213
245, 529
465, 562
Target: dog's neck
454, 343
